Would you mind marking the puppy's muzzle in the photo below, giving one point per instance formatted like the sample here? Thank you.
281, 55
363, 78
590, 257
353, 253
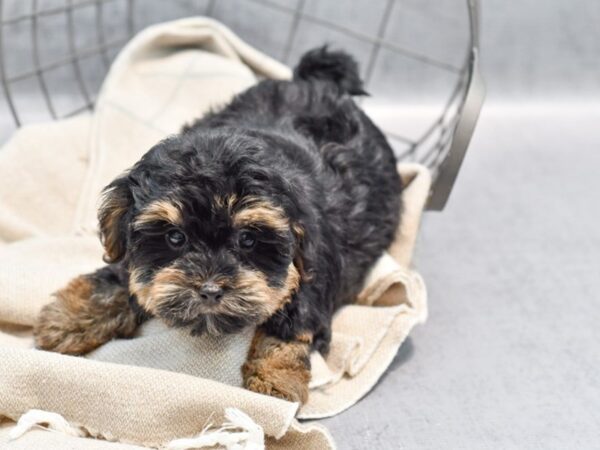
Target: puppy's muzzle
211, 293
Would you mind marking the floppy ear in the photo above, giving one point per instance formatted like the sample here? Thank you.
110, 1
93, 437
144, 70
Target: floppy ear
302, 257
113, 216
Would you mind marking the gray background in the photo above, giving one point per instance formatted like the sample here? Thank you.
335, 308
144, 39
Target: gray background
510, 355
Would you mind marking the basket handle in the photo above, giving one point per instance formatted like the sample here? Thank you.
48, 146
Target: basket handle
448, 170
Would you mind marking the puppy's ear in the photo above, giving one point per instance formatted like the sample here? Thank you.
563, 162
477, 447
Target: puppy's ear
302, 257
113, 216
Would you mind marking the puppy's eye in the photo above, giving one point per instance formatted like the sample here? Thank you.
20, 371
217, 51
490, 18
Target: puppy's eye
175, 238
247, 240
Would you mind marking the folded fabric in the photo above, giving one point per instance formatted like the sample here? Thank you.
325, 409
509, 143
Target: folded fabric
165, 384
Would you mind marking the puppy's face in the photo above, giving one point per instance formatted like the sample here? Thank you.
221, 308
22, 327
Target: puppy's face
205, 245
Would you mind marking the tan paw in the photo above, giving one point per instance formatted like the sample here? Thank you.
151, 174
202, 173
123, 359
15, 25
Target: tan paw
56, 330
289, 383
84, 317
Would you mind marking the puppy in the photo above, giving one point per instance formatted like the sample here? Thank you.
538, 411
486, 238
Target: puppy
267, 214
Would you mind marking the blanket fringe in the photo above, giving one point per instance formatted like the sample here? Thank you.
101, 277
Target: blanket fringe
46, 420
239, 432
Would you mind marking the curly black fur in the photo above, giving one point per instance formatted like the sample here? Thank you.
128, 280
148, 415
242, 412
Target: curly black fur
337, 67
303, 146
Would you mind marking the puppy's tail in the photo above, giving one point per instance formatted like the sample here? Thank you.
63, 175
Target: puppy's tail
336, 66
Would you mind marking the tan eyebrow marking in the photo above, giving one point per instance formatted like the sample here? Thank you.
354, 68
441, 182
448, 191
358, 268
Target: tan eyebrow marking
226, 202
260, 212
160, 210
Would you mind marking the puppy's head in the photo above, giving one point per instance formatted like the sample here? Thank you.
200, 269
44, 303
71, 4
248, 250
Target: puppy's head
209, 232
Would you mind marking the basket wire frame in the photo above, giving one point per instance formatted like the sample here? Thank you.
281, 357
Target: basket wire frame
437, 147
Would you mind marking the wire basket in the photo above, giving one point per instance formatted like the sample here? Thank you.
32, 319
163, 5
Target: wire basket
55, 53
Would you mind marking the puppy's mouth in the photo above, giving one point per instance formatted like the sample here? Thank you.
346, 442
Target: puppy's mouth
186, 307
246, 299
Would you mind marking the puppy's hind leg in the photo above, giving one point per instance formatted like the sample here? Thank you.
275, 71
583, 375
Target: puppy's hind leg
91, 310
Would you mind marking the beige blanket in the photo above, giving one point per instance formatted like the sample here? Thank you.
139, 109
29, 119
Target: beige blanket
164, 384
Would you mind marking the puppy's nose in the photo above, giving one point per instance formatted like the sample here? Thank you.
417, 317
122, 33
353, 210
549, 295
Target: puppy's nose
211, 292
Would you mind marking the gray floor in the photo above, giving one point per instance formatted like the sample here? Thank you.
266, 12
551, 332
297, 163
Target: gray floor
510, 356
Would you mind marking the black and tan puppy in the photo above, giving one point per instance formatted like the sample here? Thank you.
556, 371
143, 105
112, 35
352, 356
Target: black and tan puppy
267, 213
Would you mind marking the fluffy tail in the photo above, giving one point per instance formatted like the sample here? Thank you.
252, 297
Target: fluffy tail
336, 66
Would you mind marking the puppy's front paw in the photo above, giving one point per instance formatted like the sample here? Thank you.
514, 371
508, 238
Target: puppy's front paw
56, 330
84, 316
278, 368
288, 384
